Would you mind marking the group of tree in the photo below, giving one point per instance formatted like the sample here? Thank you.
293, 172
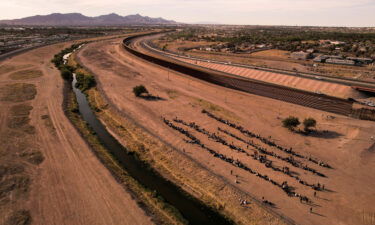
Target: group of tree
58, 60
292, 123
84, 81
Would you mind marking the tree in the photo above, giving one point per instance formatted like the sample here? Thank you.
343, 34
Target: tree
308, 123
66, 74
85, 81
291, 122
139, 90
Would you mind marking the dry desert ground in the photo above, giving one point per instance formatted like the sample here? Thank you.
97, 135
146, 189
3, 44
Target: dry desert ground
349, 194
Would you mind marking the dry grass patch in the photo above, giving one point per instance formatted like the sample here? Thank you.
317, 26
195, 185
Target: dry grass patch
48, 123
6, 69
10, 169
172, 94
14, 142
20, 118
18, 92
215, 108
18, 122
25, 74
33, 157
21, 110
14, 186
20, 217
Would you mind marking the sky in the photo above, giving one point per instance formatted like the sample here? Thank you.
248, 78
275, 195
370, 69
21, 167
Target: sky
250, 12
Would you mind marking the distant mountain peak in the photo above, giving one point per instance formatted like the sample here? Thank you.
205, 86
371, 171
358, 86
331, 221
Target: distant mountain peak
78, 19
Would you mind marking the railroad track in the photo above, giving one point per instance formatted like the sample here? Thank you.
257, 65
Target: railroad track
287, 94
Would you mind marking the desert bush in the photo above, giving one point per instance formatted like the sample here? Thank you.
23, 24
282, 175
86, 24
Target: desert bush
85, 82
139, 90
309, 123
291, 122
66, 74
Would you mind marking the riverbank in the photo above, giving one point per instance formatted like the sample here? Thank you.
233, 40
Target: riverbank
148, 200
70, 186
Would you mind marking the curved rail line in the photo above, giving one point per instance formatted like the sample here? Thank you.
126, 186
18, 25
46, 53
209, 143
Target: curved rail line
287, 94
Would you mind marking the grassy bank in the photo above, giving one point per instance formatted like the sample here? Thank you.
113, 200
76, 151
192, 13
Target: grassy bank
149, 200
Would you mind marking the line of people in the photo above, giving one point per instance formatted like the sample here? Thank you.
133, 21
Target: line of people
261, 158
284, 186
288, 159
265, 140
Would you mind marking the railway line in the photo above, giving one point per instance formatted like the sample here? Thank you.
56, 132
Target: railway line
136, 46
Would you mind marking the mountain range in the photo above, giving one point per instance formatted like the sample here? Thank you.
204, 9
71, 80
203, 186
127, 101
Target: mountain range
77, 19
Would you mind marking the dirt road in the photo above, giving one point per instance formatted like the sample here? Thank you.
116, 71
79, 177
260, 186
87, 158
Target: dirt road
70, 186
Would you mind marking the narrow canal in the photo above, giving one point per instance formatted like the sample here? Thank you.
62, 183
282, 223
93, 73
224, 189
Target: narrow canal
191, 209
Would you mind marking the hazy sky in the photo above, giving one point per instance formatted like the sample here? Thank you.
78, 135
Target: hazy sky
264, 12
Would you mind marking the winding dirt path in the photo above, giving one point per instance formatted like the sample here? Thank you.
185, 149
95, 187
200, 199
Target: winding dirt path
71, 186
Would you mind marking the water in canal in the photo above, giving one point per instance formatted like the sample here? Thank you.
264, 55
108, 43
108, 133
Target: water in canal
191, 209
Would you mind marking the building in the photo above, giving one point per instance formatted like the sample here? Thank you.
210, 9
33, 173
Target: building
346, 62
300, 55
361, 60
320, 58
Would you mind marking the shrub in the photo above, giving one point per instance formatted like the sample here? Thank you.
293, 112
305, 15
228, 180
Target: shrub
139, 90
85, 82
291, 122
66, 74
308, 123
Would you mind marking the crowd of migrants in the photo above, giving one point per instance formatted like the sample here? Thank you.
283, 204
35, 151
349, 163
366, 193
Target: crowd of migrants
289, 159
262, 159
193, 140
265, 140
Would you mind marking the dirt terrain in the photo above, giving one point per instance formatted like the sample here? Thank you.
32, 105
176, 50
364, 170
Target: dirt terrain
343, 143
48, 174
